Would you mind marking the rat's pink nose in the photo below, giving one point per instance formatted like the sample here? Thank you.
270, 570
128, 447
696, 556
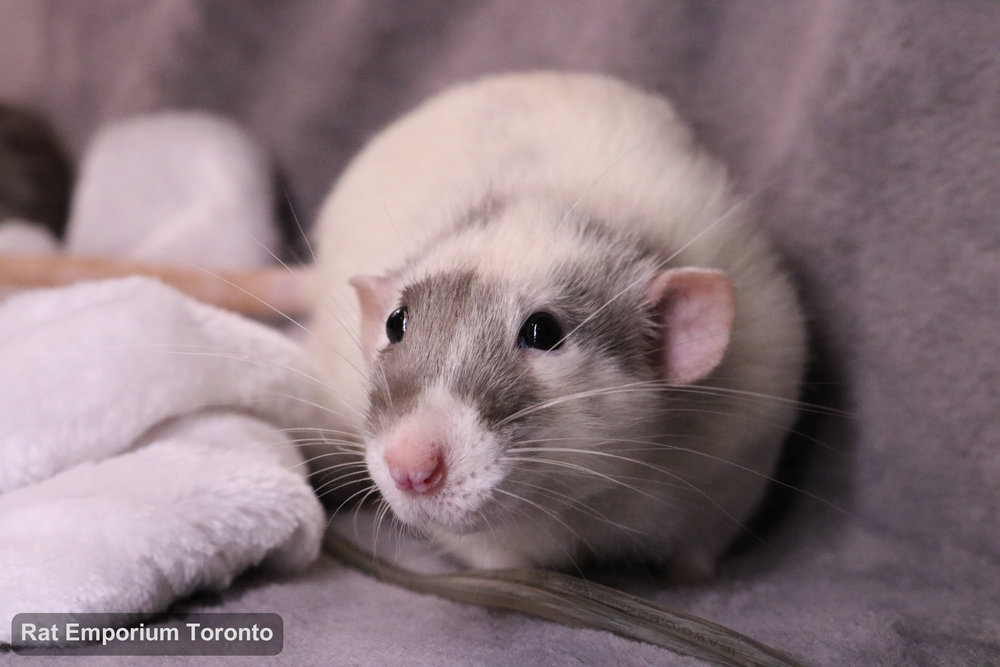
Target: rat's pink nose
418, 469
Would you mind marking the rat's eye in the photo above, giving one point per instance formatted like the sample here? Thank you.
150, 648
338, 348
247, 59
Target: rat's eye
395, 326
541, 331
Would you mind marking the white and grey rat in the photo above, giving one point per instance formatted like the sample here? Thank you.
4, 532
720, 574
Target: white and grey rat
565, 342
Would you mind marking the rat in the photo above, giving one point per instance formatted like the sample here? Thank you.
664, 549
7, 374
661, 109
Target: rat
552, 328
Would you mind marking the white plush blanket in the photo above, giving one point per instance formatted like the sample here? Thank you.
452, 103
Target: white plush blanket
148, 444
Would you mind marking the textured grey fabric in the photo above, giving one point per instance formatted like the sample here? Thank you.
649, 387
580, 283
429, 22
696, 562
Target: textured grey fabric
867, 133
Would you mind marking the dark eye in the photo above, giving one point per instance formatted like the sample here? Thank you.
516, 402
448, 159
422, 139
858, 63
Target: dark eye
541, 331
395, 326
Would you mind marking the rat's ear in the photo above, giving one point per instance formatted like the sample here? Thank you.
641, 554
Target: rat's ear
694, 310
376, 298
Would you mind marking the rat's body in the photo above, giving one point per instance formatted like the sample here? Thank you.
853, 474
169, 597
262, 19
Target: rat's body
504, 216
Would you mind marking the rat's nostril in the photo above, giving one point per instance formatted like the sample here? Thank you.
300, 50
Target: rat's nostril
418, 470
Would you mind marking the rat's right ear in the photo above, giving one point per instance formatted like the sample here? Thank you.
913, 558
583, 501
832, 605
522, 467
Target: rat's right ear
376, 298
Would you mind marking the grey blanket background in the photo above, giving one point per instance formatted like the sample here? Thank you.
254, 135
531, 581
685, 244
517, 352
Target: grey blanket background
868, 133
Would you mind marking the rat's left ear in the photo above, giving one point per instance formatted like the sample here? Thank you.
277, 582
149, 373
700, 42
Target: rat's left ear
376, 299
694, 308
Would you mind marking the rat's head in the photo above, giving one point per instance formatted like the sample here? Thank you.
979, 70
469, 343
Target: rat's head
511, 345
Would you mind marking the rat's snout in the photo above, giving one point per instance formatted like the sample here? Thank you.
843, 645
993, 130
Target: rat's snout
435, 464
415, 465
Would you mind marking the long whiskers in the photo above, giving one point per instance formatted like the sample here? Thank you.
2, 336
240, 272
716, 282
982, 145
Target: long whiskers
569, 501
547, 511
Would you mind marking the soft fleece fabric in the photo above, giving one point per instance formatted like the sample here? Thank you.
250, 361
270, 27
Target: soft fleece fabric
144, 447
148, 440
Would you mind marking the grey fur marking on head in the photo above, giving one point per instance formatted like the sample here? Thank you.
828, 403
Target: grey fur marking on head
454, 316
604, 286
600, 304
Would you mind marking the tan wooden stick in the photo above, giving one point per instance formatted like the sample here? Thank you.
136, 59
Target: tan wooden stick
264, 293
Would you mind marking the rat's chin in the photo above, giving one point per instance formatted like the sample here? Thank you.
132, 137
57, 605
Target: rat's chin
436, 514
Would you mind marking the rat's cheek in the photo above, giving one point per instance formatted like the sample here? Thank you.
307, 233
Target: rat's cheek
553, 372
